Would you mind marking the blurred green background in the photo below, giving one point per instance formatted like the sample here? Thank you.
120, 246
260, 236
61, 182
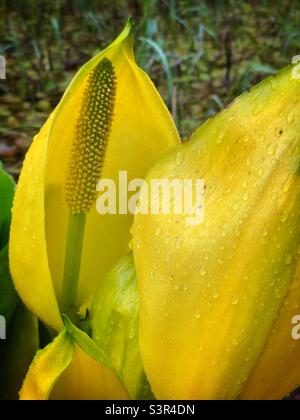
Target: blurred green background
200, 54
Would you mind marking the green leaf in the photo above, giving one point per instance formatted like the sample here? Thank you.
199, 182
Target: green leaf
46, 368
115, 325
8, 295
19, 350
7, 190
87, 344
22, 341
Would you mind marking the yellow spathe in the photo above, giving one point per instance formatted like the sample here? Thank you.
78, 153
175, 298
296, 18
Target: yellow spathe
86, 379
62, 371
47, 366
217, 299
142, 131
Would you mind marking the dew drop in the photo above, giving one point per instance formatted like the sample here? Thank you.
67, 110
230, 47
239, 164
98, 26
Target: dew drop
284, 218
131, 229
220, 139
216, 295
288, 259
235, 300
286, 187
158, 231
290, 118
271, 149
237, 233
274, 83
202, 272
179, 158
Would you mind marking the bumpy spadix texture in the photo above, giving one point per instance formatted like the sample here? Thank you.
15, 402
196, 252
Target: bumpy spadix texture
92, 135
217, 299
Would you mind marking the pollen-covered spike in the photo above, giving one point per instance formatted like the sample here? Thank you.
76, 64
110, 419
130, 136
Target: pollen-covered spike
91, 138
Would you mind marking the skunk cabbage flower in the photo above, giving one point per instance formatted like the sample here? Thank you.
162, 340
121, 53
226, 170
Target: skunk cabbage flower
110, 119
128, 128
217, 299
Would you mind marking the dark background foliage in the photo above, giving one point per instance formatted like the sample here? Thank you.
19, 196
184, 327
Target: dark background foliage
201, 54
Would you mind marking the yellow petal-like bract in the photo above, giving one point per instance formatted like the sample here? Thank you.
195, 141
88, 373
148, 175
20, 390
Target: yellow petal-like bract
86, 379
63, 371
47, 367
218, 298
142, 130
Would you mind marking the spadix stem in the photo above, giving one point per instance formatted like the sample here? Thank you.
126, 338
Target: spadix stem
73, 256
84, 170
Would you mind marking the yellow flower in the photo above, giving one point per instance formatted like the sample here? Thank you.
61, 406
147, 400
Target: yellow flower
218, 298
63, 371
142, 130
108, 366
111, 118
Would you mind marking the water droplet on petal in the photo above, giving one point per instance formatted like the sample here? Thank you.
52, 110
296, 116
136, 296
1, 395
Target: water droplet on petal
179, 158
288, 259
235, 300
202, 272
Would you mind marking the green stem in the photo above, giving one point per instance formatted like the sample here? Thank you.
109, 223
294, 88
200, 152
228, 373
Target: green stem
72, 264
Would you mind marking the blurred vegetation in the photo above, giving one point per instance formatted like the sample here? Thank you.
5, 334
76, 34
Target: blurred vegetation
200, 54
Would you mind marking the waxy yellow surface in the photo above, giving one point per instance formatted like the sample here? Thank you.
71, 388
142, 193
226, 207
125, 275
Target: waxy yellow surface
46, 368
62, 371
217, 299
